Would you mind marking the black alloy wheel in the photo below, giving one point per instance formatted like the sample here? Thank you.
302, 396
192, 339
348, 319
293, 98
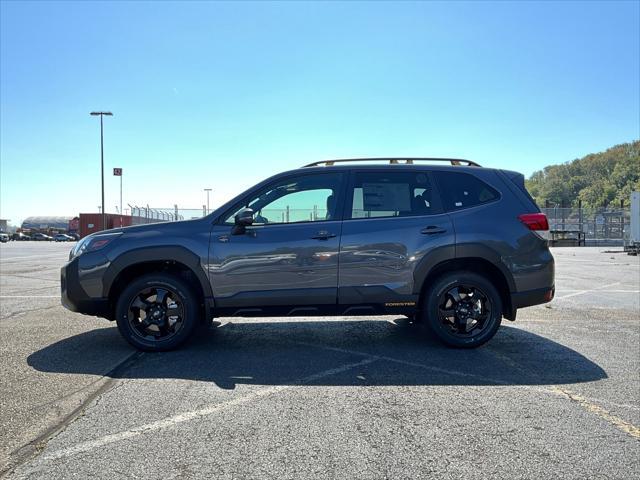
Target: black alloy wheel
157, 312
463, 309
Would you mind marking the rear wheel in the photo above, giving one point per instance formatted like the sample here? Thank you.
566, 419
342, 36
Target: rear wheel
157, 312
463, 309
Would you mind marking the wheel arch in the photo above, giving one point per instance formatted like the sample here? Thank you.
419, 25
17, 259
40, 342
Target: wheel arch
479, 265
175, 260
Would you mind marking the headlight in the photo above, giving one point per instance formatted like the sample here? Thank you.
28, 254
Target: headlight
91, 243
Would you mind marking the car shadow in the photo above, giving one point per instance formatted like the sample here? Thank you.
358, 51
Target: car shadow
314, 352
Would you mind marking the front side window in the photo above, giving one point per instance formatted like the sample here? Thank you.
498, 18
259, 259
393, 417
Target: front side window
392, 194
462, 190
308, 198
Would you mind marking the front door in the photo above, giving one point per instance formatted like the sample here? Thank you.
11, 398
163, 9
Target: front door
287, 261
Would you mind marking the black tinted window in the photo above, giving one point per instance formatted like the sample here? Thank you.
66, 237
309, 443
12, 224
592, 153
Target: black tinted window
462, 190
392, 194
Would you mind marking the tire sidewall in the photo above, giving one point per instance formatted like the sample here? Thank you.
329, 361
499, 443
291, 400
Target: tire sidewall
187, 297
449, 281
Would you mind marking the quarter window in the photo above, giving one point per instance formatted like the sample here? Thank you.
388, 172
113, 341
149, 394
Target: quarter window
462, 190
392, 194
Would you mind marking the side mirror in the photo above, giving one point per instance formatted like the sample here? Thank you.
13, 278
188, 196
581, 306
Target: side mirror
243, 219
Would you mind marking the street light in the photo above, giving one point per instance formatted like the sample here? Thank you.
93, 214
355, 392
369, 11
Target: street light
207, 190
104, 224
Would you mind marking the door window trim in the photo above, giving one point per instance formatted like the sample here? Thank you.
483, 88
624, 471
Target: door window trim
258, 191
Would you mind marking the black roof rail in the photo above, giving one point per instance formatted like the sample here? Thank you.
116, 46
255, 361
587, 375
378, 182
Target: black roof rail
395, 161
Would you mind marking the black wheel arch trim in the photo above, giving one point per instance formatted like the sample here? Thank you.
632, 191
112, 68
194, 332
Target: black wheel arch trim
431, 260
166, 253
478, 250
443, 254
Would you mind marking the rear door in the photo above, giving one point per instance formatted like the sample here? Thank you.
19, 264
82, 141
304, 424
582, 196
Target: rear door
393, 221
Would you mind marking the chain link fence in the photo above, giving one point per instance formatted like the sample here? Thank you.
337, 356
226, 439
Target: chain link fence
600, 226
274, 215
142, 215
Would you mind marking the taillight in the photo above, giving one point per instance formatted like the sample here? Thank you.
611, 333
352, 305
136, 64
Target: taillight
534, 221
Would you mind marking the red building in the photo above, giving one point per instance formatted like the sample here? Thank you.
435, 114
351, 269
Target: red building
92, 222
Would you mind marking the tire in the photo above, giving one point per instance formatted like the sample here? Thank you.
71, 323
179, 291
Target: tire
145, 330
475, 303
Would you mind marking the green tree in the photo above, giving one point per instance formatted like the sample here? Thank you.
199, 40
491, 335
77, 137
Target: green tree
597, 179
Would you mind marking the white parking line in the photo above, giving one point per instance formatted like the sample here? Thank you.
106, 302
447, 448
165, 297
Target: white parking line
408, 363
34, 257
29, 296
608, 291
187, 416
584, 402
593, 262
582, 292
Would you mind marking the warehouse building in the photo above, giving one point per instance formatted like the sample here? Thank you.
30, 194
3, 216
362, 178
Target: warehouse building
46, 224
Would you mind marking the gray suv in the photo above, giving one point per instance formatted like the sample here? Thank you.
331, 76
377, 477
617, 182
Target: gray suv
454, 246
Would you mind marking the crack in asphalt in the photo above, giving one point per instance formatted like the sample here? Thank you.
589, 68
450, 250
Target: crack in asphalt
22, 312
33, 448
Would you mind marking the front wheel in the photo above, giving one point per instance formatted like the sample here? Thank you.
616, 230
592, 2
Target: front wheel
157, 312
463, 309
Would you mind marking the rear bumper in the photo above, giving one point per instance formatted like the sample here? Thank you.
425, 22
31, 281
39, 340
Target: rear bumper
73, 296
532, 297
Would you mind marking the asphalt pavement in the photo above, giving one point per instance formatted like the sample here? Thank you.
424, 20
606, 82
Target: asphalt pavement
554, 394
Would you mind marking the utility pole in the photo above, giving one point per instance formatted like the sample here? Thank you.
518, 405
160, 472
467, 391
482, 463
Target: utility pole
207, 190
102, 114
117, 172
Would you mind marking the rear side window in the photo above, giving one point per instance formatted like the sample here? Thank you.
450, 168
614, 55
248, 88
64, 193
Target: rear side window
462, 190
392, 194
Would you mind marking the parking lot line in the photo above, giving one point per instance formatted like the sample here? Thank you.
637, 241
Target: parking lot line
30, 296
194, 414
599, 411
585, 403
608, 291
407, 363
29, 257
582, 292
594, 262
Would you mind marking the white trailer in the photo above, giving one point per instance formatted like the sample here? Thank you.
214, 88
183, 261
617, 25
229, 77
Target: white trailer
632, 241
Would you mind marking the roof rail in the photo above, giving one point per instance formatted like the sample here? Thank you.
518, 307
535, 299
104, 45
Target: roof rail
395, 161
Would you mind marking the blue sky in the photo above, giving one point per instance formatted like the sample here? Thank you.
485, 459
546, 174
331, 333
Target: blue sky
221, 95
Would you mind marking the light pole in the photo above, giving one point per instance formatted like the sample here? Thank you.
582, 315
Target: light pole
102, 114
207, 190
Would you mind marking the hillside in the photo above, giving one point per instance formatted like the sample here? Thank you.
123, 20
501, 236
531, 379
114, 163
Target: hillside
597, 179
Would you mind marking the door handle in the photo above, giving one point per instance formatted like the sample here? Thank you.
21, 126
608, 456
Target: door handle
432, 229
323, 235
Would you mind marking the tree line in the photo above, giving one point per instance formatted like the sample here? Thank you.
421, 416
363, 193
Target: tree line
596, 180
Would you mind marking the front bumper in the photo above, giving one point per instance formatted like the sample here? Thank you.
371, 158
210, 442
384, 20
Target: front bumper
73, 296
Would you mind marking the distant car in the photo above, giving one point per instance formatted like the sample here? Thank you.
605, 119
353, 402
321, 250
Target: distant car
62, 237
75, 236
41, 237
4, 238
19, 237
